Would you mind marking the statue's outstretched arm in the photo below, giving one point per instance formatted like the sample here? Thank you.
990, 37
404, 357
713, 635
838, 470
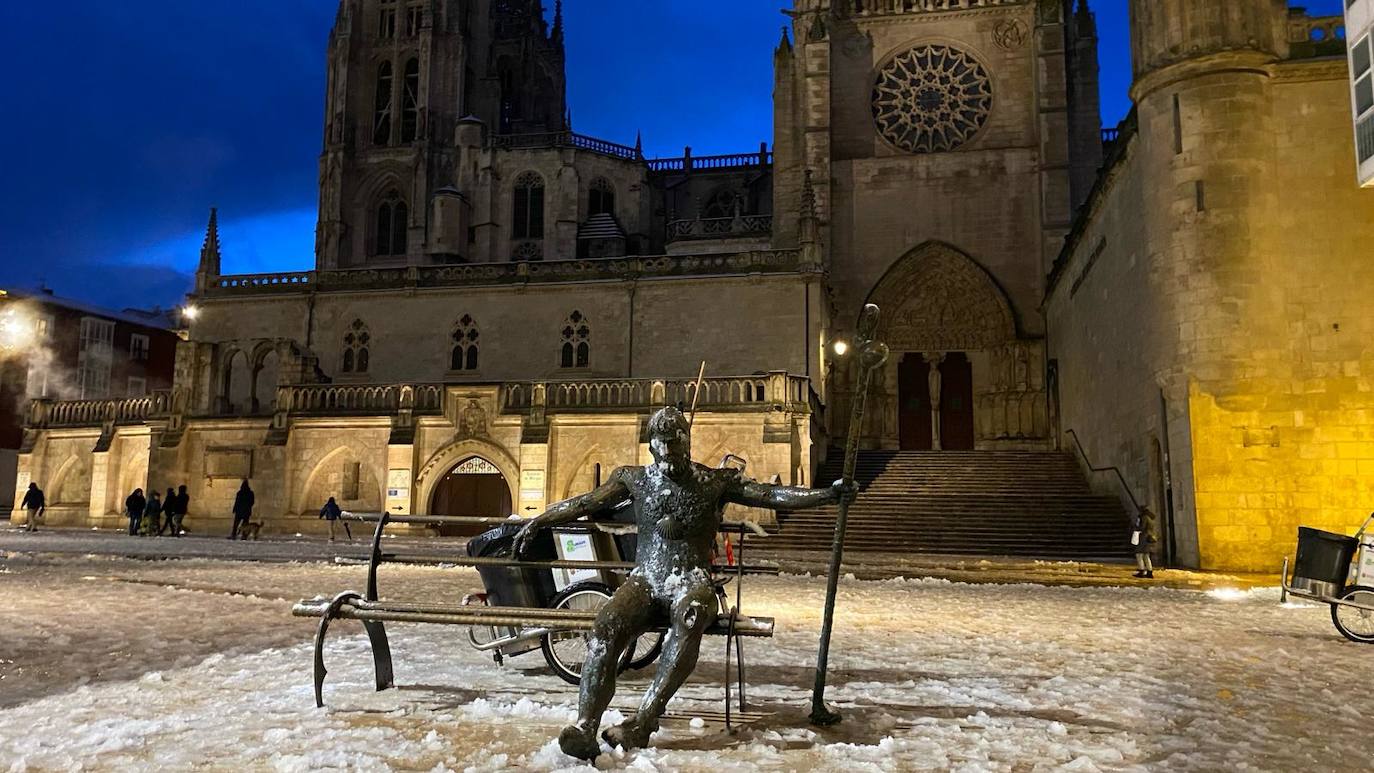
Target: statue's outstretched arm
751, 493
604, 497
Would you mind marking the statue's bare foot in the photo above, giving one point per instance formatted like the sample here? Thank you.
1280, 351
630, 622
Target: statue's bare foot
633, 733
579, 743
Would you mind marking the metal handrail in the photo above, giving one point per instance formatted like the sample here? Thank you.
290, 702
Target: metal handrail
1120, 478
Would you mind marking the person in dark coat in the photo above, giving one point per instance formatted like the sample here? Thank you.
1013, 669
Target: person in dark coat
243, 509
35, 503
133, 508
152, 514
331, 512
1143, 536
169, 513
183, 507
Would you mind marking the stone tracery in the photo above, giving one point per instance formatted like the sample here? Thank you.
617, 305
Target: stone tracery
931, 99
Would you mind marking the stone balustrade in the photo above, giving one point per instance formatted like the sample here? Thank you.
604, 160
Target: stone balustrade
61, 414
1315, 36
689, 163
720, 227
865, 8
360, 399
640, 395
566, 140
485, 274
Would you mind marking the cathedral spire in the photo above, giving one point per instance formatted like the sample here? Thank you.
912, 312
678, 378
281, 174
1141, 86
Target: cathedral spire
209, 253
558, 21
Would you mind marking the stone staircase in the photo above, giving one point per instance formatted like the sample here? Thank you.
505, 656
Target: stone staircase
1003, 503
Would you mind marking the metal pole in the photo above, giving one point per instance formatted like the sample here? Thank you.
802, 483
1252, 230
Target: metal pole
696, 394
872, 355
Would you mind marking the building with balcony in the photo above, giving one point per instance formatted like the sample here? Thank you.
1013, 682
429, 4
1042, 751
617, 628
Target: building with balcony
60, 349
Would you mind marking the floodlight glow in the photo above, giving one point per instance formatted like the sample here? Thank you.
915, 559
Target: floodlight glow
841, 348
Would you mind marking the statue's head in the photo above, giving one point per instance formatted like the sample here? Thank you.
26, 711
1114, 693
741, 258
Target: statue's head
670, 440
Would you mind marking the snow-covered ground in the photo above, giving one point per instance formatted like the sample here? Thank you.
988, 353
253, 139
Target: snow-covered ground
930, 675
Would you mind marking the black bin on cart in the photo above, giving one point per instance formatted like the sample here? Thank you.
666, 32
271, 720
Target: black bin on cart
1323, 563
514, 586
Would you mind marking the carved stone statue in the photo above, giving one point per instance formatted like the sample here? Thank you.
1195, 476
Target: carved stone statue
678, 508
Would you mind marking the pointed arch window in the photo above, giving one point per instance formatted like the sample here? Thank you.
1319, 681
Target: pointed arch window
466, 338
381, 123
601, 199
357, 345
528, 215
577, 346
386, 20
410, 102
392, 218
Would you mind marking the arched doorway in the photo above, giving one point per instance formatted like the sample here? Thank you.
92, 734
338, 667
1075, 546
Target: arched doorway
474, 488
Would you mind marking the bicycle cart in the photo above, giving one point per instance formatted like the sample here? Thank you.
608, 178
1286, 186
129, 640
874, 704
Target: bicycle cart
1337, 570
564, 587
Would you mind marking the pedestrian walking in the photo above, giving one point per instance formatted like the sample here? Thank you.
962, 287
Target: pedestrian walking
243, 510
169, 513
183, 507
1143, 535
133, 509
152, 515
35, 503
331, 512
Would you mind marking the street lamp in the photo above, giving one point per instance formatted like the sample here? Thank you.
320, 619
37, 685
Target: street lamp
190, 312
841, 348
15, 330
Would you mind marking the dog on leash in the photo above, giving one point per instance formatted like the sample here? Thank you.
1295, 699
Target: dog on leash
250, 530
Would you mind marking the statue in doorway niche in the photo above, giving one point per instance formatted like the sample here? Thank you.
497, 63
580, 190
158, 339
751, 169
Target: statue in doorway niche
678, 507
473, 421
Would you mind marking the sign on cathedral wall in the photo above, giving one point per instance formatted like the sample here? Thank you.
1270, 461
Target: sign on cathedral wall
234, 463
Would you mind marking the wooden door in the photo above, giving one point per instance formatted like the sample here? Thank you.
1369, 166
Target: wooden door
956, 403
913, 403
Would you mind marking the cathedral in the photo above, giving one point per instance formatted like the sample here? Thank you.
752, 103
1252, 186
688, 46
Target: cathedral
498, 302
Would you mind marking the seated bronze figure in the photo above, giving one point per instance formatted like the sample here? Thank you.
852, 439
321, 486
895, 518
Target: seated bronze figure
678, 508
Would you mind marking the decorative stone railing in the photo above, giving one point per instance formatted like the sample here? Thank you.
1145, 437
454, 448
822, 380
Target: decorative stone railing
360, 399
566, 140
863, 8
720, 227
1314, 36
258, 283
61, 414
615, 395
690, 163
481, 274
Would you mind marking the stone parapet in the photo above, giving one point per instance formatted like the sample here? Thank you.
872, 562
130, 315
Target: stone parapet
509, 273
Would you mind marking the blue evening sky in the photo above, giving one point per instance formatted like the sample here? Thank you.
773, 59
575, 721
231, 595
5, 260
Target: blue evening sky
126, 121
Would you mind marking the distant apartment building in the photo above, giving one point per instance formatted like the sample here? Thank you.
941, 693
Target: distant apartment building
62, 349
1359, 26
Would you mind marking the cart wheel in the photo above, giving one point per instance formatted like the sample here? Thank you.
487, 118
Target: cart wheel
647, 648
1355, 624
566, 651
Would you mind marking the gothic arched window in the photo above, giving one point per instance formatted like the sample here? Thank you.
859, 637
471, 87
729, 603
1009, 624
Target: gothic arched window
410, 101
381, 123
528, 215
577, 347
601, 199
392, 216
356, 343
465, 342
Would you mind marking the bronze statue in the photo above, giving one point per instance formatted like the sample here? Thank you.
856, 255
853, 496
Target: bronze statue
678, 508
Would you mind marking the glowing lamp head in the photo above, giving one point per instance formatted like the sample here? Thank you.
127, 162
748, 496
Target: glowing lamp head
841, 348
190, 312
15, 331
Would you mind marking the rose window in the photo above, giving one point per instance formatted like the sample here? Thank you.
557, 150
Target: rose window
932, 99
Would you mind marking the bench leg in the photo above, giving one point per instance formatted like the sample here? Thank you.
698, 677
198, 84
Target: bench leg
739, 660
376, 634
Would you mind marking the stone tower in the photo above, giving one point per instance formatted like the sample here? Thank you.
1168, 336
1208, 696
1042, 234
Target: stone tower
403, 77
948, 144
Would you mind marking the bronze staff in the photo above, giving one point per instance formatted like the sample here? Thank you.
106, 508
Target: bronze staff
872, 355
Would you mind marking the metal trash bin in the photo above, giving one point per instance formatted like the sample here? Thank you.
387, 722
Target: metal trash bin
1323, 563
